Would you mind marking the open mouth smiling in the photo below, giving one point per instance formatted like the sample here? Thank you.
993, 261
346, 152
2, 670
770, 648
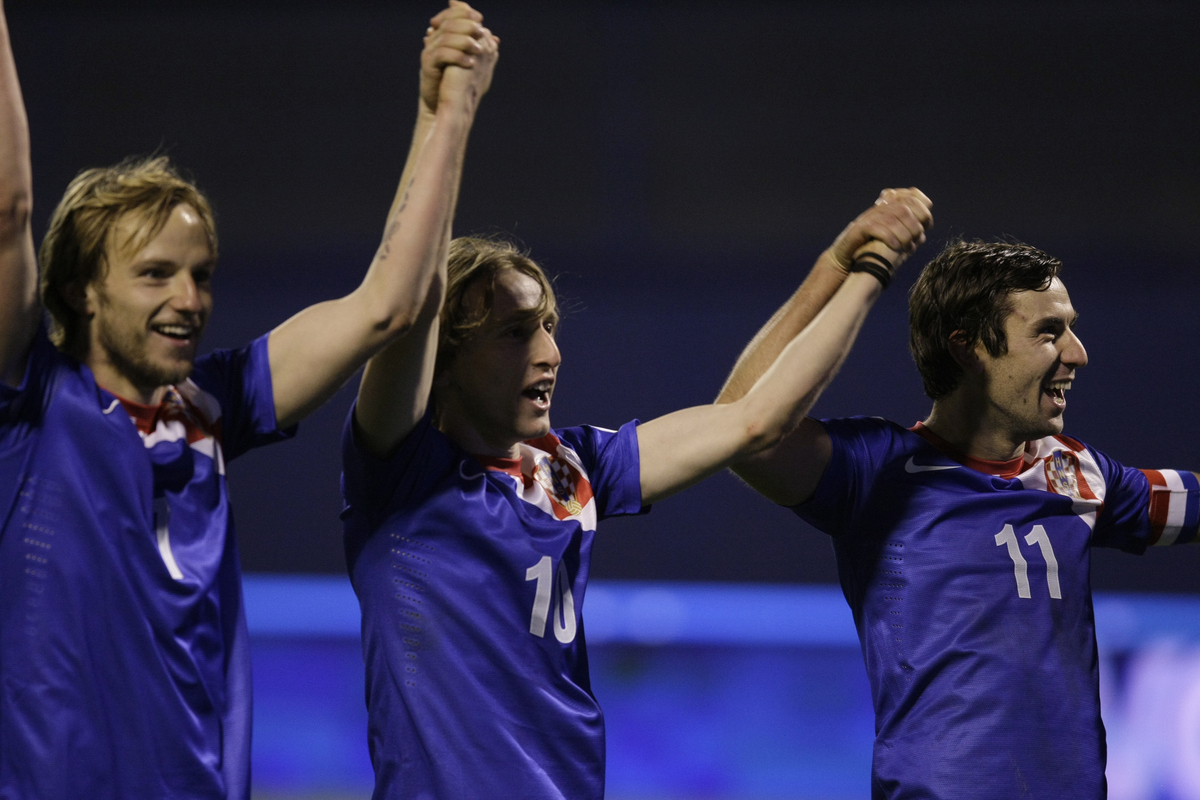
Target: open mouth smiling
540, 393
1057, 391
180, 332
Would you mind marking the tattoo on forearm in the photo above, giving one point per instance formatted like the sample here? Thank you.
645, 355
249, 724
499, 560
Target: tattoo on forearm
385, 249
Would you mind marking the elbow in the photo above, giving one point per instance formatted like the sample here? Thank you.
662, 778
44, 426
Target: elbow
15, 213
391, 323
391, 318
762, 433
767, 427
385, 331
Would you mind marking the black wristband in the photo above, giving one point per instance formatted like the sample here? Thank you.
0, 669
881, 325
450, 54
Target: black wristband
874, 264
883, 262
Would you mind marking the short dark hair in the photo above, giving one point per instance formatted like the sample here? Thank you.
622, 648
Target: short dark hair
965, 293
476, 259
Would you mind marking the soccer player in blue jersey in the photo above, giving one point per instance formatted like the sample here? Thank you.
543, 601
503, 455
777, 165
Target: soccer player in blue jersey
963, 542
124, 669
469, 521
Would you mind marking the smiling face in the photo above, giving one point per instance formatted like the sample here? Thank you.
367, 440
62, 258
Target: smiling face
147, 310
496, 391
1025, 387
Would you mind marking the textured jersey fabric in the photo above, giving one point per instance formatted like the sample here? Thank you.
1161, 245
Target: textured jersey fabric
124, 669
970, 591
471, 577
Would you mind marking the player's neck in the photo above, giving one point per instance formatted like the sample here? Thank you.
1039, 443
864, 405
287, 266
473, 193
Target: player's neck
465, 435
112, 380
967, 428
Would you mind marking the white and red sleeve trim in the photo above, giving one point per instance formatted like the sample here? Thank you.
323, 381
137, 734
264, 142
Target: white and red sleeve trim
1174, 506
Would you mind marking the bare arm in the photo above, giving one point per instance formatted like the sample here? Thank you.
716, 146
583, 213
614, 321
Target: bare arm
788, 472
395, 386
681, 448
783, 371
433, 62
316, 351
897, 221
19, 307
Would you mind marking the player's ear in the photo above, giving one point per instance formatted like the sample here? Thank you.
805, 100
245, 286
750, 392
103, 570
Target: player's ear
78, 298
964, 354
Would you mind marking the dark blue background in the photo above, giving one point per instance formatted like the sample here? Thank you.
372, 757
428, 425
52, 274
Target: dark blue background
678, 166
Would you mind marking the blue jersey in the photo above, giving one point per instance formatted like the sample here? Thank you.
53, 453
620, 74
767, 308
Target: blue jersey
471, 575
969, 584
124, 669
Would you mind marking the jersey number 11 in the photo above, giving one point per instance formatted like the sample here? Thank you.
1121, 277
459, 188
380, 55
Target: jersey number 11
1021, 567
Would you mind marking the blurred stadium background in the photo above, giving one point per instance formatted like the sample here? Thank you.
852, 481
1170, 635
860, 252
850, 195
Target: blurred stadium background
679, 166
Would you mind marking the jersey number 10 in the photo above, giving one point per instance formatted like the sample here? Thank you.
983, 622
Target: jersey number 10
1021, 567
564, 601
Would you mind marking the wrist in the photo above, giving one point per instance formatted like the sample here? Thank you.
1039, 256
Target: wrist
833, 264
875, 265
457, 110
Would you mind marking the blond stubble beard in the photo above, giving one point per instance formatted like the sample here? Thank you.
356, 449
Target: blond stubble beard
128, 357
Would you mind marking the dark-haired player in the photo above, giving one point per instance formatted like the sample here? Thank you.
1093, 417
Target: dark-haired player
963, 542
469, 520
124, 663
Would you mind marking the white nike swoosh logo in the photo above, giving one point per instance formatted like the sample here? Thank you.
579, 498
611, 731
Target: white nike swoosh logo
912, 466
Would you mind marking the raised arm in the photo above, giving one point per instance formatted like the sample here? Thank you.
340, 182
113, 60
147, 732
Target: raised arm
19, 307
894, 226
686, 446
897, 221
394, 390
316, 351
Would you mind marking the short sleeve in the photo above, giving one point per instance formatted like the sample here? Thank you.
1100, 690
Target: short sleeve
22, 406
848, 477
1146, 507
374, 486
240, 380
22, 409
613, 464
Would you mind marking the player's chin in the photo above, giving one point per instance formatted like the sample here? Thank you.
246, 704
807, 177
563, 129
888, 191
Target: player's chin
175, 370
537, 428
1049, 415
160, 371
1050, 426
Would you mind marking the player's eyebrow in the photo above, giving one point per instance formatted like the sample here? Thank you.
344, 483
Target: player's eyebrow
1057, 320
142, 263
